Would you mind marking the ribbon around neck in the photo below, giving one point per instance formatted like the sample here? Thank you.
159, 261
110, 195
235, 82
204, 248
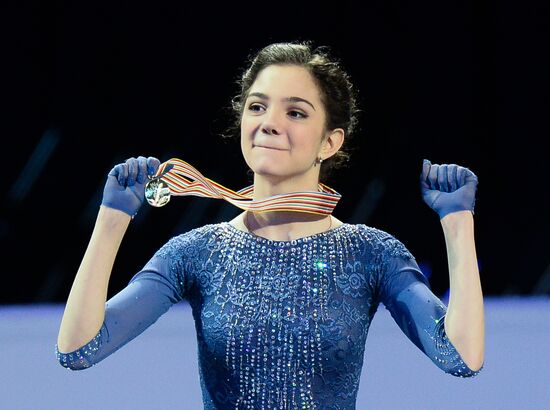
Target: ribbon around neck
181, 179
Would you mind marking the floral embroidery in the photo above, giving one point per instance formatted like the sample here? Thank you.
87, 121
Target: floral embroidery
352, 280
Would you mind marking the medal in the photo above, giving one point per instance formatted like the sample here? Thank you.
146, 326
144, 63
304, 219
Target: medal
177, 177
157, 192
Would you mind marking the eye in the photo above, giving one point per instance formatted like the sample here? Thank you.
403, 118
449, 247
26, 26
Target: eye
254, 105
302, 115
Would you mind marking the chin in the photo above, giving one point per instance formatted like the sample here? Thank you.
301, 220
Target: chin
268, 172
266, 166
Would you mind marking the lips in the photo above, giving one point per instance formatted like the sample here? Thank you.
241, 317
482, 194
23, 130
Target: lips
267, 147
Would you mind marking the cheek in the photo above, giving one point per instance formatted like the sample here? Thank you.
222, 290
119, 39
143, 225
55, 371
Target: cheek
247, 128
245, 145
307, 142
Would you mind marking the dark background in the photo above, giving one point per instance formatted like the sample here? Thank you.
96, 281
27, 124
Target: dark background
87, 85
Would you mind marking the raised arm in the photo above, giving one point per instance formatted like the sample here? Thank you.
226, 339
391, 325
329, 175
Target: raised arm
450, 191
85, 307
420, 314
465, 319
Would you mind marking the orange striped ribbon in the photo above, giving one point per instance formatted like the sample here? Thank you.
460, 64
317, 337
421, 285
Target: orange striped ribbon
183, 179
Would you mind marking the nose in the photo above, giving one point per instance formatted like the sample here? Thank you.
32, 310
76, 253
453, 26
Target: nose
270, 129
271, 123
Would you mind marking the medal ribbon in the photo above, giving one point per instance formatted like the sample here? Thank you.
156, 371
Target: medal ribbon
183, 179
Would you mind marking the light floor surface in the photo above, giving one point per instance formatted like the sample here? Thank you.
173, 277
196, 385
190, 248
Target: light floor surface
158, 369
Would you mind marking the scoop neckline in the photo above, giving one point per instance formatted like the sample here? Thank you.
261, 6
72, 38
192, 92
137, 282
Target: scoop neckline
284, 243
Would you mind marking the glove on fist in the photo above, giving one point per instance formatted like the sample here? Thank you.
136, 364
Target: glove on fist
125, 186
448, 188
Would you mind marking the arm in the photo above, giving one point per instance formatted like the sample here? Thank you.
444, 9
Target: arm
149, 294
419, 313
85, 308
122, 197
450, 190
464, 323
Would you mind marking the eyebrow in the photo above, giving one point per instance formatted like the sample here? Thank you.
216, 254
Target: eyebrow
289, 99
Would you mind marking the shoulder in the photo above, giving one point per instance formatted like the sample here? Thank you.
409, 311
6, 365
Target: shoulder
190, 242
380, 241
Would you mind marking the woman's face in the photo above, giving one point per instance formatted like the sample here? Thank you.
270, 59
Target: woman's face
283, 121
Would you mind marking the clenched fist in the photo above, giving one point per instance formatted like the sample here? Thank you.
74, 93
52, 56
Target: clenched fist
125, 186
448, 188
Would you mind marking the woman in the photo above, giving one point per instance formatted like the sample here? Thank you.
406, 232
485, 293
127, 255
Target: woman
283, 300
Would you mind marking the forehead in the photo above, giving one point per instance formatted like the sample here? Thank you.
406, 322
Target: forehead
277, 80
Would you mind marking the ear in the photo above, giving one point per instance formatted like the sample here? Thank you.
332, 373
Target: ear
332, 143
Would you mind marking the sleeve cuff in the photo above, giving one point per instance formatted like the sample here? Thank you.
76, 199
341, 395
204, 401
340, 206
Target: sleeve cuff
83, 357
449, 356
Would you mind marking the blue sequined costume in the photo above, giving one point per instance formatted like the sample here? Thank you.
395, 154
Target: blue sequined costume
280, 324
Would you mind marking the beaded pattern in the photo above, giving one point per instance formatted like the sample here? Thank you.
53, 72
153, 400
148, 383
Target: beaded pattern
283, 324
272, 319
448, 355
83, 357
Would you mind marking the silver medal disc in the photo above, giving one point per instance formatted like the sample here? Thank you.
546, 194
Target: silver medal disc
157, 192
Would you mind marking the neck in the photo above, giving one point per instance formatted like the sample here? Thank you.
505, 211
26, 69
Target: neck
283, 225
267, 186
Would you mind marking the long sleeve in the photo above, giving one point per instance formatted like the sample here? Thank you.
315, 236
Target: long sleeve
420, 314
149, 294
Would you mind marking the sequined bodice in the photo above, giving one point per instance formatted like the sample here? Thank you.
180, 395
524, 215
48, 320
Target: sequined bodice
282, 325
273, 327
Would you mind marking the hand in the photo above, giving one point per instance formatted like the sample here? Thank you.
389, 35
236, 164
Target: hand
125, 186
448, 188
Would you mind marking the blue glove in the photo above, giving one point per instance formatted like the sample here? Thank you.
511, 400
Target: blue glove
125, 186
448, 188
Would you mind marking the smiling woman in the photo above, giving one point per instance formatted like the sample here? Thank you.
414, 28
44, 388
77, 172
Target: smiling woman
283, 300
328, 83
288, 125
283, 149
